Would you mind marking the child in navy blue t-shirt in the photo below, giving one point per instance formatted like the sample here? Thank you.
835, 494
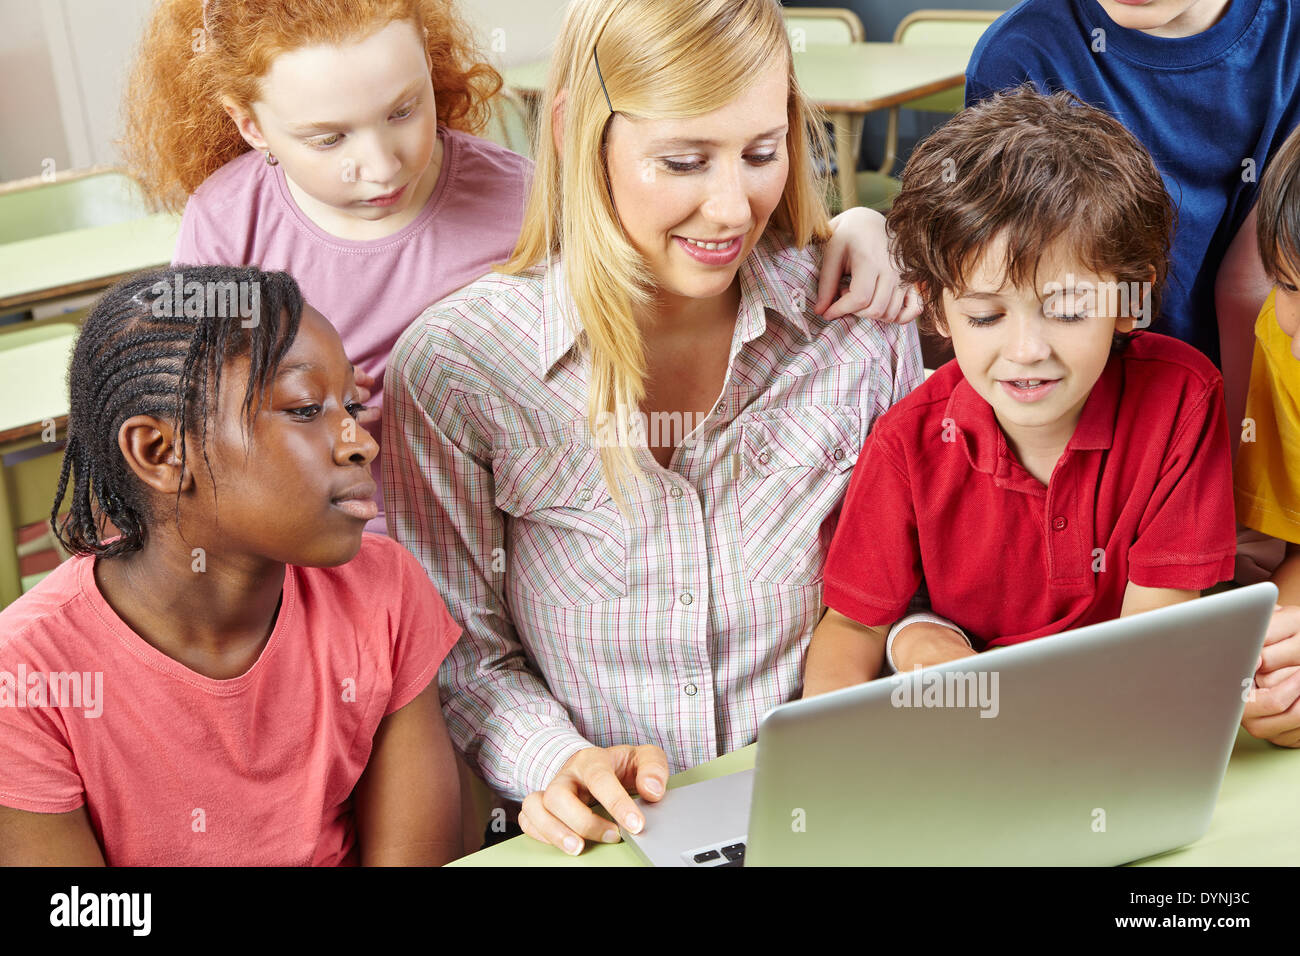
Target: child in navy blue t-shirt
1211, 88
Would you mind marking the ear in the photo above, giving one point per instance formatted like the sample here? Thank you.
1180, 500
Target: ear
148, 445
557, 120
1127, 323
940, 320
245, 123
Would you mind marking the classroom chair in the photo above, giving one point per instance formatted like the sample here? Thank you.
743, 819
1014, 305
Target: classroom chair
76, 199
828, 25
823, 25
512, 123
877, 188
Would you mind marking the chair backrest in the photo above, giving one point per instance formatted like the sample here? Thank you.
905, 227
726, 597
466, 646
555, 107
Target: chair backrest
29, 465
511, 123
78, 202
823, 25
944, 28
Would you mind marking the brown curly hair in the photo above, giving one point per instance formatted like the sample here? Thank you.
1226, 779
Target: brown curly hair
1035, 168
178, 133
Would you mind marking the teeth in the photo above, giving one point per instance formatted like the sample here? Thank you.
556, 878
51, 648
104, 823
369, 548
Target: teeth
711, 246
1028, 383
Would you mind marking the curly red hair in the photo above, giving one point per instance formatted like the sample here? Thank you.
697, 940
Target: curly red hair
178, 133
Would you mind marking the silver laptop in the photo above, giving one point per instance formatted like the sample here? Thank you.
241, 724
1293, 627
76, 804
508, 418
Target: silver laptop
1092, 747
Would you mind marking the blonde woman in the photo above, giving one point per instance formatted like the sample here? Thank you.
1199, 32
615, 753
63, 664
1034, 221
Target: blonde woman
615, 458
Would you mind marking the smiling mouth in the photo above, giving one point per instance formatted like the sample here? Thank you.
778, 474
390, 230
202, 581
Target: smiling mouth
712, 246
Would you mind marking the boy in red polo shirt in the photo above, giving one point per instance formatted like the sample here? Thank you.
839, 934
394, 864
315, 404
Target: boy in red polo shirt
1067, 467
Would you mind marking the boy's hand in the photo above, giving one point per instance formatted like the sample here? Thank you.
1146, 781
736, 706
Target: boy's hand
924, 643
365, 389
859, 248
560, 814
1273, 708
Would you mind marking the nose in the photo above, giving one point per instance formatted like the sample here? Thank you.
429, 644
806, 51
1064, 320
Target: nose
355, 445
1028, 344
377, 161
727, 205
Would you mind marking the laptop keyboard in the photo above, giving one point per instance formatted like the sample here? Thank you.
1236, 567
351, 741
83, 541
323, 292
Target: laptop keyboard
732, 854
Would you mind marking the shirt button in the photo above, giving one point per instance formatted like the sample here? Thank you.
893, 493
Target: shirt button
691, 690
686, 597
675, 491
722, 407
839, 454
764, 458
1059, 523
584, 495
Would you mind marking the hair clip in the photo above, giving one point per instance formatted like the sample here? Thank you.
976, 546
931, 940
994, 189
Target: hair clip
601, 77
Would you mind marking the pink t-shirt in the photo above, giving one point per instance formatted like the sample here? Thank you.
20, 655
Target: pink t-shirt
179, 769
371, 290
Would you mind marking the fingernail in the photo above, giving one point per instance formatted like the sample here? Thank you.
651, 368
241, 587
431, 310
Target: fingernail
611, 836
654, 786
572, 845
633, 822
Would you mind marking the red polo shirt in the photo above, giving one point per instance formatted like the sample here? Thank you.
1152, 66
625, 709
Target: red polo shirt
1143, 493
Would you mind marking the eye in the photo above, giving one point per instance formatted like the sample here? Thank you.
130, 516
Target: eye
764, 158
325, 142
356, 408
980, 321
680, 167
404, 112
305, 412
1288, 288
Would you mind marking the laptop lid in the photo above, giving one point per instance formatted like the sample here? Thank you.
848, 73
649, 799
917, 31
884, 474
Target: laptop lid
1096, 746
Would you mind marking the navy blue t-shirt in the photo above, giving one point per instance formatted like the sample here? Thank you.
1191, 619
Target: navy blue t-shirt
1202, 105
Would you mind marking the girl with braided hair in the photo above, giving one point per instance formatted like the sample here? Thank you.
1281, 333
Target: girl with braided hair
253, 672
332, 139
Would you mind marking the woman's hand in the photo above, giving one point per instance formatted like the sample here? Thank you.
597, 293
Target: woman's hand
859, 251
1273, 705
365, 389
561, 816
924, 644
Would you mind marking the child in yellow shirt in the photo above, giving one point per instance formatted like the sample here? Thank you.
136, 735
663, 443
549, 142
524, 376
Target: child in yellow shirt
1266, 478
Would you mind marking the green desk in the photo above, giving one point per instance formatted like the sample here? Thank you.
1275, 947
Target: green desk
1255, 821
78, 234
846, 80
34, 379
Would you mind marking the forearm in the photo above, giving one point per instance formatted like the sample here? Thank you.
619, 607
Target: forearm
842, 653
1138, 599
1287, 577
503, 719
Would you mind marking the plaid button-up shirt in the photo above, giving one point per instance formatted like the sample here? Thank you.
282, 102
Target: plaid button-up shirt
680, 627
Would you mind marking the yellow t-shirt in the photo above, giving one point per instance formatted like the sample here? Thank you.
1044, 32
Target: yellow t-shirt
1266, 479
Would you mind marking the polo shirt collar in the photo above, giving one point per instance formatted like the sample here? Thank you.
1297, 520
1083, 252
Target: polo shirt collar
986, 444
762, 291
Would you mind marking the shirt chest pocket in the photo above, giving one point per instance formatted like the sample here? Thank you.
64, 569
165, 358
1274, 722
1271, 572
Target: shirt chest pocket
566, 540
797, 461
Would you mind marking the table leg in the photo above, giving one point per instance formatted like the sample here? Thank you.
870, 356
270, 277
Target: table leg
844, 158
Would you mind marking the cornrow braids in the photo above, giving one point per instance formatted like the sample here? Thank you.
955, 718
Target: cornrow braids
156, 344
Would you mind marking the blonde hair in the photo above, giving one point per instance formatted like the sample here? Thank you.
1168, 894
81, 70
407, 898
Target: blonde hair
195, 52
659, 59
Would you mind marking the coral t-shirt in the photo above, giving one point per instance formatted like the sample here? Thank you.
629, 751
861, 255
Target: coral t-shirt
176, 768
372, 289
